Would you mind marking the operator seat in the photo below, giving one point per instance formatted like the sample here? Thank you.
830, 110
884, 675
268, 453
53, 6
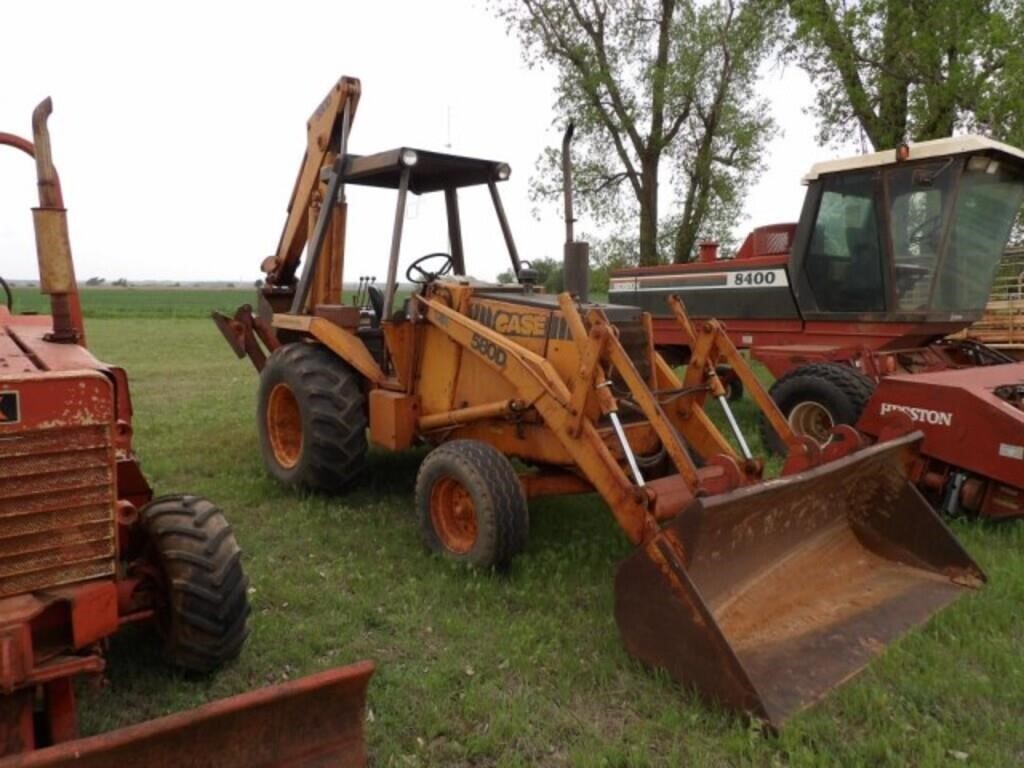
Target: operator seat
862, 290
376, 297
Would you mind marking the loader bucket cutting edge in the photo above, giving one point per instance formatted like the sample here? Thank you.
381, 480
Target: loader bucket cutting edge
312, 722
766, 598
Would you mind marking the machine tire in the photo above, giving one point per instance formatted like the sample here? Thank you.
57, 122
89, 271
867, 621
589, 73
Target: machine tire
311, 418
733, 384
840, 390
468, 472
204, 606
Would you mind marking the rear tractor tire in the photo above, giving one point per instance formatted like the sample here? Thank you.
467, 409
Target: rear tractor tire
312, 418
816, 397
203, 607
470, 504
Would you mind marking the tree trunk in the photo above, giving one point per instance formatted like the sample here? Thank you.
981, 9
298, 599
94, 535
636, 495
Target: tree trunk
686, 238
893, 90
694, 212
649, 211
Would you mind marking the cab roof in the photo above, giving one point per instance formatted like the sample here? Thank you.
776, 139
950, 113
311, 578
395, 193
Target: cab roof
922, 150
432, 171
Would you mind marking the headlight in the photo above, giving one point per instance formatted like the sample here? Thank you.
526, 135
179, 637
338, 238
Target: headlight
503, 171
409, 157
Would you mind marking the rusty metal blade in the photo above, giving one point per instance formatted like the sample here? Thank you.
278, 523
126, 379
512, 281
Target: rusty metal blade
313, 722
766, 598
232, 331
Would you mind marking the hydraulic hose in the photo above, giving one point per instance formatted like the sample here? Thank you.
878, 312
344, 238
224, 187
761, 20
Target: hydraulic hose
9, 294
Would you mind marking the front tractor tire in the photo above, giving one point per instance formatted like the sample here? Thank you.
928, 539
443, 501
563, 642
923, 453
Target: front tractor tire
470, 504
203, 604
312, 418
815, 398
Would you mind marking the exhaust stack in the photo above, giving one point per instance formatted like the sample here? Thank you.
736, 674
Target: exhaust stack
576, 254
53, 247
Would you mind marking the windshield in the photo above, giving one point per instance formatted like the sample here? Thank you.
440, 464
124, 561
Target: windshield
991, 194
948, 224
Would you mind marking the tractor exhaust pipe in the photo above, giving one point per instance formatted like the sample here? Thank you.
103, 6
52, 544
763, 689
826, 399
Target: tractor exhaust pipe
53, 247
576, 255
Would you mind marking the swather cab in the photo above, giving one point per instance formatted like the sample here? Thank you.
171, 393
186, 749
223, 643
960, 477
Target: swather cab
852, 308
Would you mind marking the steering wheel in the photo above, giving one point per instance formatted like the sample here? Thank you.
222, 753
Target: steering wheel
10, 295
427, 275
925, 230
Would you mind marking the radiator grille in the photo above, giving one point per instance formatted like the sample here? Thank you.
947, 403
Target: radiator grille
56, 508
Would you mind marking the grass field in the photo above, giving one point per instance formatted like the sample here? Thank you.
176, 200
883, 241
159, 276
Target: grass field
515, 670
137, 303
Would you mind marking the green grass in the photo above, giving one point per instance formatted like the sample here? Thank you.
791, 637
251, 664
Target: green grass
520, 669
136, 302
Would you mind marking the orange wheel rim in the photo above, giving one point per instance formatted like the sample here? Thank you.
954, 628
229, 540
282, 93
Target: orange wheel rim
284, 426
453, 514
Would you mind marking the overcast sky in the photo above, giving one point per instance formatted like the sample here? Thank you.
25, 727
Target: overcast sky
178, 128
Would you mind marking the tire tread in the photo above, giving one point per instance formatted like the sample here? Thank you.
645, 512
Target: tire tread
207, 604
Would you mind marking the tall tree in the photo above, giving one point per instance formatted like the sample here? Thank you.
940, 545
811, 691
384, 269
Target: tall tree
657, 88
913, 69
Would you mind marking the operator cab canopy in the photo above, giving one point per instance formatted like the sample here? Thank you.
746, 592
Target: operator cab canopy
428, 171
420, 171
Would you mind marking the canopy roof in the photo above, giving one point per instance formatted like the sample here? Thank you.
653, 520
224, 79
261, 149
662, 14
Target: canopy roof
431, 172
923, 150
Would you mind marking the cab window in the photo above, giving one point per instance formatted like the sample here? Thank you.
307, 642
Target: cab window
844, 259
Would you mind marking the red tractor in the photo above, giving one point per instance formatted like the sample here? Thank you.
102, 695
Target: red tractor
85, 549
852, 307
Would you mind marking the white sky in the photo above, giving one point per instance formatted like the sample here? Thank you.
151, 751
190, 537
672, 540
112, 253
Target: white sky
178, 129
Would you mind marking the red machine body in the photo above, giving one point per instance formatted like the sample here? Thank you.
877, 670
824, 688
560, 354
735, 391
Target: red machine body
69, 499
83, 552
973, 426
891, 257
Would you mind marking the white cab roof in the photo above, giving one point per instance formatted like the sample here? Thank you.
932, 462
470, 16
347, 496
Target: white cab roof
922, 150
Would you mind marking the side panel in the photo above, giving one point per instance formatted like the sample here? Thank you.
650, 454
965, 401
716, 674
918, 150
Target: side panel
738, 292
436, 378
963, 422
525, 325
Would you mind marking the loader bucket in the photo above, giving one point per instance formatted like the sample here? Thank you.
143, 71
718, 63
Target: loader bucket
312, 722
766, 598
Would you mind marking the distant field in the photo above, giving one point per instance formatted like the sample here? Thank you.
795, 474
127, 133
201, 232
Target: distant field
156, 302
144, 302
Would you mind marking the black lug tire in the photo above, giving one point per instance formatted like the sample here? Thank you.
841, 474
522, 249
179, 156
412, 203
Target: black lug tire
203, 611
841, 389
333, 412
732, 383
500, 503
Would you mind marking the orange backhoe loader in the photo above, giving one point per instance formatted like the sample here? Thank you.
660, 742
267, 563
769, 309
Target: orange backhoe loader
85, 550
763, 594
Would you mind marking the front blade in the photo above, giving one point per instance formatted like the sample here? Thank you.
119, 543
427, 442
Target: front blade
768, 597
313, 722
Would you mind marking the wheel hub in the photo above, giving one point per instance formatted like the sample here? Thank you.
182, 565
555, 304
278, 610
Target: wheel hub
284, 426
813, 420
454, 515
